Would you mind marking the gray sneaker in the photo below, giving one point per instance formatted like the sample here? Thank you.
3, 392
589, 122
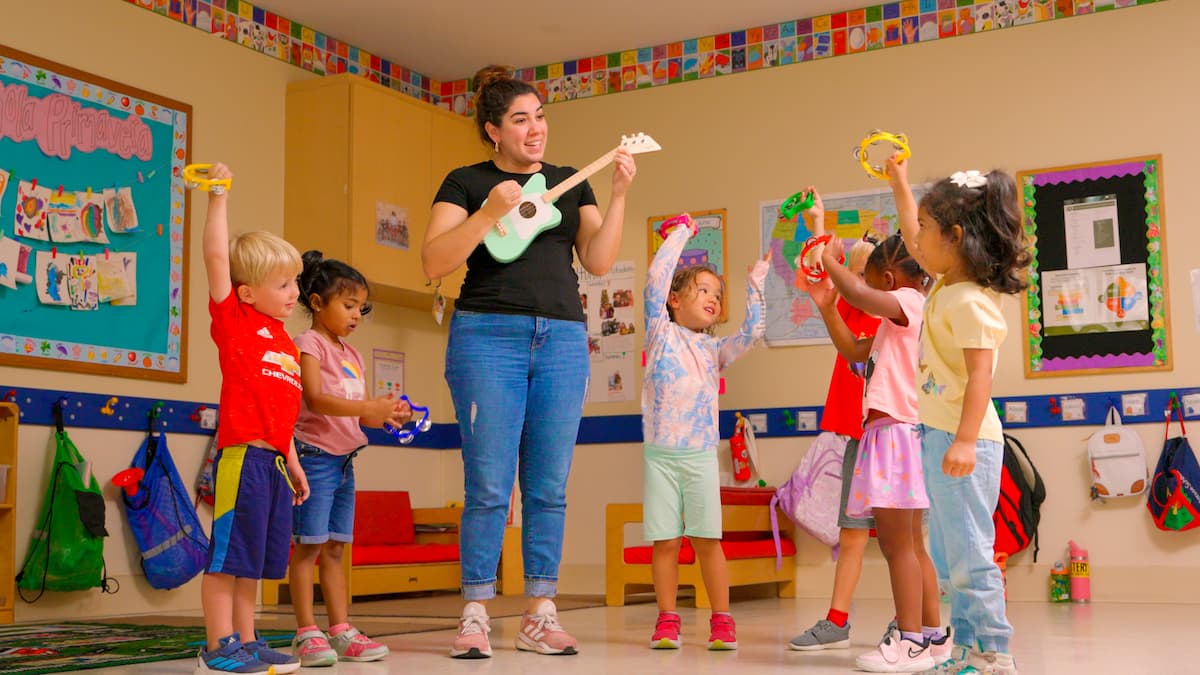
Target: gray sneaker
824, 634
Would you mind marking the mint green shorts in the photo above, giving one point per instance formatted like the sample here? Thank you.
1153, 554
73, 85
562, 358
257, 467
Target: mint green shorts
681, 494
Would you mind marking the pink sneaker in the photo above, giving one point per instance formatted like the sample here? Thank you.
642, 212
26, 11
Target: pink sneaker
473, 627
722, 633
542, 633
352, 645
666, 632
313, 649
896, 655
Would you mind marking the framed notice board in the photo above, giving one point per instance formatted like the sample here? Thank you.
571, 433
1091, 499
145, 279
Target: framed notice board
1097, 298
93, 223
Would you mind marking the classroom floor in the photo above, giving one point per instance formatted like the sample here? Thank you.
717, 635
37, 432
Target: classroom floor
1108, 639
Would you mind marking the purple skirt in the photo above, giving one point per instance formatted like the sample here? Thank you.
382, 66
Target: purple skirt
888, 472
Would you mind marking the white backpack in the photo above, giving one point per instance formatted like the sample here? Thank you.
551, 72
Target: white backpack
1117, 460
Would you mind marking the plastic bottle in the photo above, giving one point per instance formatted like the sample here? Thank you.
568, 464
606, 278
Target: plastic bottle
1081, 574
1060, 583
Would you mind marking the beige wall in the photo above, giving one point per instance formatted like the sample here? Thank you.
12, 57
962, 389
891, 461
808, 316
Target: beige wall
1031, 97
1090, 88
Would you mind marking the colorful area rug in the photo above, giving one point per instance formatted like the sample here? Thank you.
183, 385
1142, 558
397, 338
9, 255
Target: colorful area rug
67, 647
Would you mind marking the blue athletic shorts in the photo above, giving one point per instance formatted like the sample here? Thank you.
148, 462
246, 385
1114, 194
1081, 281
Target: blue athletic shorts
252, 514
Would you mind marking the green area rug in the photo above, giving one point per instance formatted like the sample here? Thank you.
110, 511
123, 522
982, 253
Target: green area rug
67, 647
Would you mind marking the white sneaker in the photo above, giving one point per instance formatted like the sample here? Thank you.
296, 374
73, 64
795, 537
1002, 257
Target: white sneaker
990, 663
896, 655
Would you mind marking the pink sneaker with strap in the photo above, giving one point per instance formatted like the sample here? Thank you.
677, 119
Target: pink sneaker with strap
722, 634
541, 632
352, 645
666, 632
311, 645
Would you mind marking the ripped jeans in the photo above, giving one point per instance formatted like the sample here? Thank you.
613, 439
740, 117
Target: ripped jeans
518, 384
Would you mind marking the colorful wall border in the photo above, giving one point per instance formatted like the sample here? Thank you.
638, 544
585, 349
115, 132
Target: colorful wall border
891, 24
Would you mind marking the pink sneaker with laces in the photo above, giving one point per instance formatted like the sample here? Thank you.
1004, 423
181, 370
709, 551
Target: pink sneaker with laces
722, 633
311, 645
541, 632
666, 632
472, 639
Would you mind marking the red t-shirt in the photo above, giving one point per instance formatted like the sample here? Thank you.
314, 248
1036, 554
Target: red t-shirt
843, 406
260, 375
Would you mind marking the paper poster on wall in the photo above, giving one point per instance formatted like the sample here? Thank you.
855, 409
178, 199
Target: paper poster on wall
388, 372
82, 283
52, 279
113, 276
1093, 237
129, 266
1095, 300
391, 225
608, 304
10, 254
29, 218
4, 175
120, 210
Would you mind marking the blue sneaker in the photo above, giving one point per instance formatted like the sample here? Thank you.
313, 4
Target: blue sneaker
230, 656
283, 663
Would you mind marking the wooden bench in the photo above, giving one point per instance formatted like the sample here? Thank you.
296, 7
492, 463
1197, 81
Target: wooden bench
748, 545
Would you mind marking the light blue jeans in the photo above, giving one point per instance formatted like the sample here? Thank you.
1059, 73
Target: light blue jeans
518, 384
961, 537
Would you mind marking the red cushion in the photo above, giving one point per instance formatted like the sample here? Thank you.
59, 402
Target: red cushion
382, 518
758, 548
641, 555
403, 554
751, 496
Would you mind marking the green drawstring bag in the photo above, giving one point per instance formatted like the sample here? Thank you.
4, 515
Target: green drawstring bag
66, 551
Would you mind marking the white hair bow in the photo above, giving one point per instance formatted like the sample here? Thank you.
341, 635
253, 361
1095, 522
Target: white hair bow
968, 179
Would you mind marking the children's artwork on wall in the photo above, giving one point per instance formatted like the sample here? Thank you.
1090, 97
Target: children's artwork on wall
706, 248
1096, 301
609, 303
29, 219
10, 255
82, 282
63, 216
92, 160
792, 318
119, 210
4, 175
52, 279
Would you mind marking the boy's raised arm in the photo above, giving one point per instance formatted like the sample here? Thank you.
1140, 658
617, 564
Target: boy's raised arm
216, 239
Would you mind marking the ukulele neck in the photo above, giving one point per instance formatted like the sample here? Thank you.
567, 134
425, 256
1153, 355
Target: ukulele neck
578, 177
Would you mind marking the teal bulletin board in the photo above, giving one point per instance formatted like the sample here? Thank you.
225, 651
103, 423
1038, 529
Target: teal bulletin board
93, 223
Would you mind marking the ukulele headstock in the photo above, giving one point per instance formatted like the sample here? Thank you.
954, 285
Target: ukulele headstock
639, 143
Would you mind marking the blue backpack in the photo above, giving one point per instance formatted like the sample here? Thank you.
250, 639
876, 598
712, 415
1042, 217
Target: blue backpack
163, 520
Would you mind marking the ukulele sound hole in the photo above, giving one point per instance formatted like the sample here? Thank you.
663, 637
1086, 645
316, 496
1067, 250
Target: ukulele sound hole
527, 209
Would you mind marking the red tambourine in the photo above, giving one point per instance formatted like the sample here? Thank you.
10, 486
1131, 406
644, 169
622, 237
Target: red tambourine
815, 273
671, 223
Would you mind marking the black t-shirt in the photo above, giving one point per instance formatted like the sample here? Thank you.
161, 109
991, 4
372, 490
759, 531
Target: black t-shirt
541, 281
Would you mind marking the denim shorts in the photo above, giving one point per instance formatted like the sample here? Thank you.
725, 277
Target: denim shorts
328, 513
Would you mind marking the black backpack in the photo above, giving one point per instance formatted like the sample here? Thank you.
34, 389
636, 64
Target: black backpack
1019, 509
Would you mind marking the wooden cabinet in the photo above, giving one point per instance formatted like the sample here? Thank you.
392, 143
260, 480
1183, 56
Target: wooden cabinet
352, 144
9, 415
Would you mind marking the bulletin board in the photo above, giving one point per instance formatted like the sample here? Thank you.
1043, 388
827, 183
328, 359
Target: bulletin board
1097, 298
93, 218
706, 248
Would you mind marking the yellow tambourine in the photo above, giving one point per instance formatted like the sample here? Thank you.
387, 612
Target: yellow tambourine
898, 141
195, 176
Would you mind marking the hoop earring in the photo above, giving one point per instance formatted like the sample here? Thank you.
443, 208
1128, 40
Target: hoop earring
497, 146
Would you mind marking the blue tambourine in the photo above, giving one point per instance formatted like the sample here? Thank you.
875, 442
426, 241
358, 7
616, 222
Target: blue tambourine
406, 435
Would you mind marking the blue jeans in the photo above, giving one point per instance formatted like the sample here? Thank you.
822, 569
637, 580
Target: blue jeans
961, 537
328, 513
518, 384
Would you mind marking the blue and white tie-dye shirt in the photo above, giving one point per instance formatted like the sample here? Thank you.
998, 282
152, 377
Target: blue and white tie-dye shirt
679, 391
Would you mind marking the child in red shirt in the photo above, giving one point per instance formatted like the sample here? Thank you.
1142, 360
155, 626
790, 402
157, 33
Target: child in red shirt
252, 288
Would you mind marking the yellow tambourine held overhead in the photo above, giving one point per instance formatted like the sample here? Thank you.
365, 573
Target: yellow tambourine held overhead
898, 141
195, 176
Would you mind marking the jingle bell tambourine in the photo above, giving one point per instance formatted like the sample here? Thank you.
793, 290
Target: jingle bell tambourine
812, 271
406, 436
861, 153
797, 203
195, 176
683, 219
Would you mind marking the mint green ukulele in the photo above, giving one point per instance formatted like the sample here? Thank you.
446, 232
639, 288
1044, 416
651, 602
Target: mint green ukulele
536, 213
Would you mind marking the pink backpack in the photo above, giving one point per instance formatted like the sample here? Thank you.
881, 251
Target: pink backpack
812, 495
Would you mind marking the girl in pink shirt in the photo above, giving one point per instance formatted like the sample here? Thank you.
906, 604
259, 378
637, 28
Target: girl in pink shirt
328, 436
888, 482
